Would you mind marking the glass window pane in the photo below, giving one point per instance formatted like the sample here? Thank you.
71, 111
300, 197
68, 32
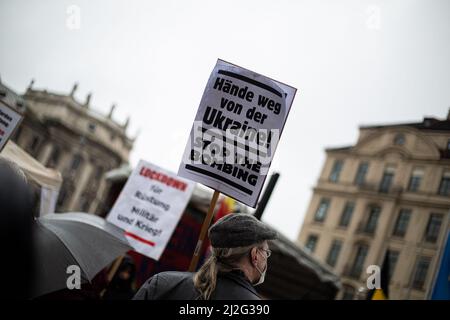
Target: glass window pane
358, 263
372, 220
321, 211
361, 173
401, 224
311, 243
336, 171
420, 273
386, 182
433, 227
347, 214
444, 186
333, 254
392, 257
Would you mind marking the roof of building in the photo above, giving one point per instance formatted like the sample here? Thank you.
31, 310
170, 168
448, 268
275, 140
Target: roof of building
426, 124
85, 108
11, 98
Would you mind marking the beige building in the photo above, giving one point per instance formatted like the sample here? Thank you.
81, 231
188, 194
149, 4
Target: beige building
82, 144
388, 196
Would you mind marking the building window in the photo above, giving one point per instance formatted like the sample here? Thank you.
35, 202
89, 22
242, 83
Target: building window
336, 171
33, 147
333, 254
392, 257
399, 139
372, 220
76, 162
98, 173
54, 157
64, 195
401, 225
347, 214
85, 203
433, 227
444, 187
386, 181
420, 272
321, 211
349, 293
91, 127
17, 134
414, 181
358, 263
311, 243
360, 177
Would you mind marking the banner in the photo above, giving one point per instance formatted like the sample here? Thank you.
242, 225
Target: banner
236, 131
9, 121
441, 286
150, 206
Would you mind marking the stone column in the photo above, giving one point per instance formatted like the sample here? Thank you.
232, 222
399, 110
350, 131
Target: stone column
80, 183
45, 153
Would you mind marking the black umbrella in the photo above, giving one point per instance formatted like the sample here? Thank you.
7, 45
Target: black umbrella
81, 240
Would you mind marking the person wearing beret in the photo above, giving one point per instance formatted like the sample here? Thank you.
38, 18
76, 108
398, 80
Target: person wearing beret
237, 264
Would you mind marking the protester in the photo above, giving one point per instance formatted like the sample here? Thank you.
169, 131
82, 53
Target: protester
17, 204
238, 263
121, 286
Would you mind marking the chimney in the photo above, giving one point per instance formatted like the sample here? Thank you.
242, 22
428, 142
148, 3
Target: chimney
88, 100
448, 115
74, 88
113, 107
127, 122
30, 86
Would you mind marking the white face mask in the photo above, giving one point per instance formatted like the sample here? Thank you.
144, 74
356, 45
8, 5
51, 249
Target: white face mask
262, 274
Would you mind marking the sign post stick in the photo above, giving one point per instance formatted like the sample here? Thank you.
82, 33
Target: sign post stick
111, 272
205, 226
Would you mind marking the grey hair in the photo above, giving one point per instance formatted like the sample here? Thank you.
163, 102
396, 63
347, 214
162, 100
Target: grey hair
221, 260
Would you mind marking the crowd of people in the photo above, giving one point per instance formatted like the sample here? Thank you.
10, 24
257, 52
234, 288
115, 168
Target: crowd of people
237, 263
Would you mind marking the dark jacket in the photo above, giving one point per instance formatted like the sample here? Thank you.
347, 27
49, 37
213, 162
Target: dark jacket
180, 286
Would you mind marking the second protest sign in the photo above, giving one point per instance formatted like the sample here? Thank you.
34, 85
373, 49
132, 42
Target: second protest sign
150, 206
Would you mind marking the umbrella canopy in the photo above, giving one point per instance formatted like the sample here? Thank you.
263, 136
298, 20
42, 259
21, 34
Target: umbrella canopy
81, 239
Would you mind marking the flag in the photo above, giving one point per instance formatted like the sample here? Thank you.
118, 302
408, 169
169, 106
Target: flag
227, 206
441, 288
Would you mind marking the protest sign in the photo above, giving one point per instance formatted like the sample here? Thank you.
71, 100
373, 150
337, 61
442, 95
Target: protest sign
150, 206
234, 136
236, 131
9, 121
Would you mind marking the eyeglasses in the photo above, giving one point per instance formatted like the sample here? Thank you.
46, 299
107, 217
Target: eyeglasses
267, 251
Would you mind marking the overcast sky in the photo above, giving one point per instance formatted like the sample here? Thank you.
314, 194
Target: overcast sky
353, 63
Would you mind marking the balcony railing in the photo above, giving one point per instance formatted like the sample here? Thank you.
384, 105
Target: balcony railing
372, 187
363, 229
351, 272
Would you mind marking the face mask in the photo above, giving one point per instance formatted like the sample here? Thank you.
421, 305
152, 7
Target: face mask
262, 274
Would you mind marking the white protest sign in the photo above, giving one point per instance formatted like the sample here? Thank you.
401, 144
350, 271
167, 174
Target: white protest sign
150, 206
9, 121
236, 131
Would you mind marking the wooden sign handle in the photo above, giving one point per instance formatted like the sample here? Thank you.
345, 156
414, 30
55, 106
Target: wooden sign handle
111, 272
205, 226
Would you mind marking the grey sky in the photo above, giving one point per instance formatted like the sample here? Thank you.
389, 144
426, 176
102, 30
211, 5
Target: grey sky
353, 62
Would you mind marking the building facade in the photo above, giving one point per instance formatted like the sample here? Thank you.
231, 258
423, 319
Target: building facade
386, 197
71, 137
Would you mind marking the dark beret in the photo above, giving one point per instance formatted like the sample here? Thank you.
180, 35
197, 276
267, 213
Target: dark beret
239, 230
